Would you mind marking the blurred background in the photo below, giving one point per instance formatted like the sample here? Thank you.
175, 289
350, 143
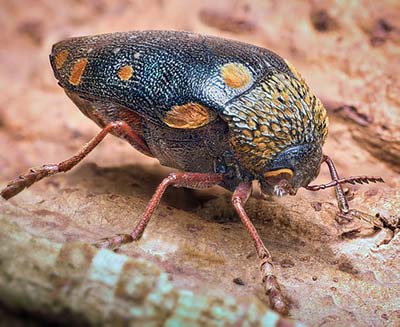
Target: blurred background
348, 52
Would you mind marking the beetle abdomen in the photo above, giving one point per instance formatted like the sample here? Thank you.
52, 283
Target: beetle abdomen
153, 71
189, 150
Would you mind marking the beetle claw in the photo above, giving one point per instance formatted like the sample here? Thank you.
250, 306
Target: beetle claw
113, 242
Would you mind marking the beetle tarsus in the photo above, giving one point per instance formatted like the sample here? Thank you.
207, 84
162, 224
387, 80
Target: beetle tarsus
36, 174
114, 242
272, 287
27, 179
276, 298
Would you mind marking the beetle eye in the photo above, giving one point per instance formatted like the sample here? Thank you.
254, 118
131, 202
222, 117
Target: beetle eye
275, 176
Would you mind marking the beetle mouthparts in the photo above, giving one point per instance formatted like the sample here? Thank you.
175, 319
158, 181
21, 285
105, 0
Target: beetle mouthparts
284, 188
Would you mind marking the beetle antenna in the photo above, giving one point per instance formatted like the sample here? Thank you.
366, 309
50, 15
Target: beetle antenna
350, 180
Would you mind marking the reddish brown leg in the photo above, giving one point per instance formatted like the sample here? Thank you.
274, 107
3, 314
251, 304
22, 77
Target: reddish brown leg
271, 285
189, 180
346, 214
36, 174
341, 198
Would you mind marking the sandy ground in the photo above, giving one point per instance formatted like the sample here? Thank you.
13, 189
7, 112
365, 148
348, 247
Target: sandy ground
349, 55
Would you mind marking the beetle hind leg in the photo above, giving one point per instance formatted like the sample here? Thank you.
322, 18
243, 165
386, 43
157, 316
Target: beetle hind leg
34, 175
179, 179
269, 280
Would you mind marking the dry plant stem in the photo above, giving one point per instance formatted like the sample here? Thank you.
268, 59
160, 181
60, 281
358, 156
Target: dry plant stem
271, 285
189, 180
36, 174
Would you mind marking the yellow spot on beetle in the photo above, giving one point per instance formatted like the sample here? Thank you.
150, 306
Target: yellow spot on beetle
280, 172
77, 71
125, 73
235, 75
273, 177
60, 58
187, 116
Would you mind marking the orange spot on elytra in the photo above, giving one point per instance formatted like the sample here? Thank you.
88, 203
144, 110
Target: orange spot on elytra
235, 75
190, 115
77, 71
125, 73
60, 58
283, 172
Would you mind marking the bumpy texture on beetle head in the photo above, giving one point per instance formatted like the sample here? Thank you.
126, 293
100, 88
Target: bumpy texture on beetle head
277, 132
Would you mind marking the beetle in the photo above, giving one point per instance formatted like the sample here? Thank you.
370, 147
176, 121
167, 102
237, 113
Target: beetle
220, 111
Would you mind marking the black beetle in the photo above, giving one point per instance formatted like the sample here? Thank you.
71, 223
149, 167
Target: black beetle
223, 112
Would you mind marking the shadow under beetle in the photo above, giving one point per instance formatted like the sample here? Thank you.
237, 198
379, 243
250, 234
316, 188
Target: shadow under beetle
223, 112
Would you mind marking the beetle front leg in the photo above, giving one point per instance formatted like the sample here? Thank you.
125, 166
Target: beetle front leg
271, 285
188, 180
341, 198
346, 214
36, 174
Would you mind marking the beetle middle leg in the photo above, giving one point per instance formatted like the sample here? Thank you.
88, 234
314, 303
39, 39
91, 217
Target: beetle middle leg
179, 179
36, 174
271, 285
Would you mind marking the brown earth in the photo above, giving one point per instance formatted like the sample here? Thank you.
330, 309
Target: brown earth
349, 54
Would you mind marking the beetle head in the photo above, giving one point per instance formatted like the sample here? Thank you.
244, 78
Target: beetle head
291, 169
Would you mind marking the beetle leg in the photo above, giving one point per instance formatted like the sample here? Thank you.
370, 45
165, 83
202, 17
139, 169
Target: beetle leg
179, 179
271, 285
36, 174
341, 198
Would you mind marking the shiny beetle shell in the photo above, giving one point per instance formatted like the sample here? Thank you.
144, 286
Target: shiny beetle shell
199, 103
